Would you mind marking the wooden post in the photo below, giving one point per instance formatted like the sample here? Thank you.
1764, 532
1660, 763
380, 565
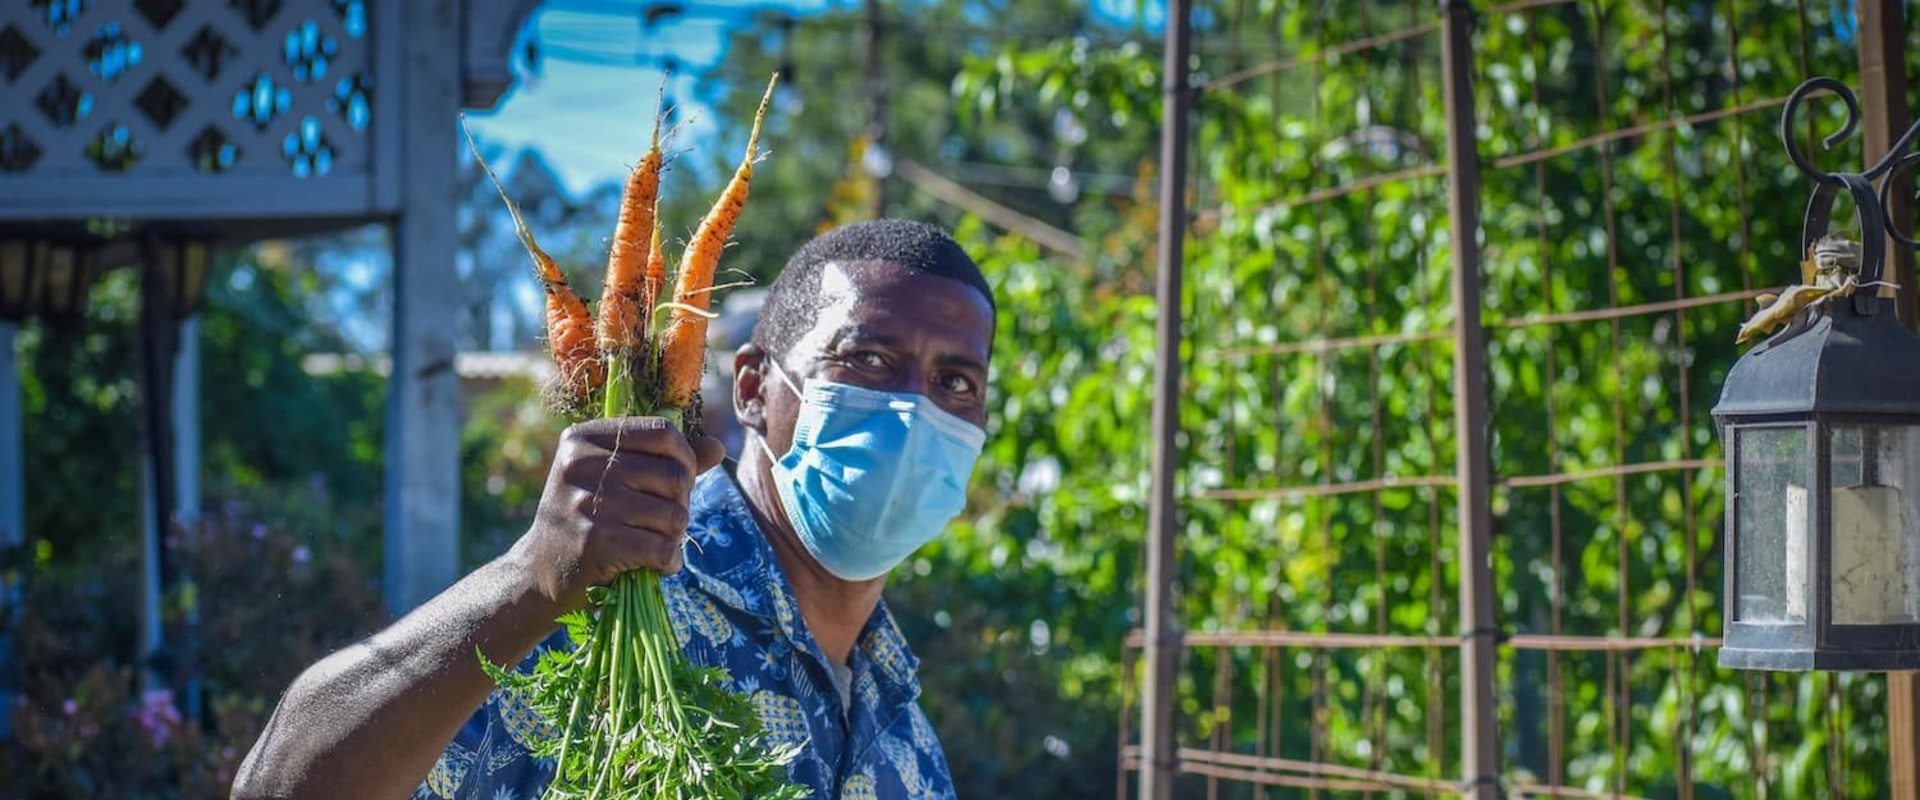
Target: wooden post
423, 425
1159, 761
1883, 106
1473, 466
1903, 746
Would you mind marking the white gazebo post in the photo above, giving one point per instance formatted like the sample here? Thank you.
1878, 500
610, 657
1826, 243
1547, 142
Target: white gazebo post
186, 453
186, 424
423, 389
423, 426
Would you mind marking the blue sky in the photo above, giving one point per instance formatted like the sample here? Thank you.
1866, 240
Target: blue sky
589, 106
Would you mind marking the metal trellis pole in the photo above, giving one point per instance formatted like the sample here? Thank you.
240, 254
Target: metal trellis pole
1480, 777
1158, 763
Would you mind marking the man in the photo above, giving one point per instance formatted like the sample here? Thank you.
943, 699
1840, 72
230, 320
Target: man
863, 400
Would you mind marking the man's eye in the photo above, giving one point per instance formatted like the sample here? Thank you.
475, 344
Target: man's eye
958, 384
868, 358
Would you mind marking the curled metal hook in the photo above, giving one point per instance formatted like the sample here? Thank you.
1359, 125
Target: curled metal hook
1895, 168
1870, 202
1868, 215
1799, 97
1871, 217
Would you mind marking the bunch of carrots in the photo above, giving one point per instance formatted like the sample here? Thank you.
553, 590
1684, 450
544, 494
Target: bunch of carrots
632, 717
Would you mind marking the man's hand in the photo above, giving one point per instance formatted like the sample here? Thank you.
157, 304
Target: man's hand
616, 499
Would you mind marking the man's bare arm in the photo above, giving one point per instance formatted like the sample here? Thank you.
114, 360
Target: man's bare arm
370, 720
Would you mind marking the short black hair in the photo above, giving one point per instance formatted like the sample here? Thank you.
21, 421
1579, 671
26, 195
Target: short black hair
793, 303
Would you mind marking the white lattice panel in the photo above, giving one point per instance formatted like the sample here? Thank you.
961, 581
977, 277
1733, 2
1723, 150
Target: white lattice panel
194, 109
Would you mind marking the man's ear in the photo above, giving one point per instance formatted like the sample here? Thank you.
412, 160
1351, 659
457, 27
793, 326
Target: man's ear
749, 382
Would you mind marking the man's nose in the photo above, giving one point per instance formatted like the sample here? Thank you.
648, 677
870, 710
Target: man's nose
912, 379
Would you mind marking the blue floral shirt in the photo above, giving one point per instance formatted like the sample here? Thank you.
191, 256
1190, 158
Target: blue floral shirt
733, 608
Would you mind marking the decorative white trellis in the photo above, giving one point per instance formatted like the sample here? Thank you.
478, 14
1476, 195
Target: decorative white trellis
168, 109
236, 120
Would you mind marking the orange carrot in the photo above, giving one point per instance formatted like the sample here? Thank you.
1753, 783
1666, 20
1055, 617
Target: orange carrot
570, 337
569, 325
656, 277
623, 314
683, 345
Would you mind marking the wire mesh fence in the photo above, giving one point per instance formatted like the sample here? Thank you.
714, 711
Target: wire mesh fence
1633, 198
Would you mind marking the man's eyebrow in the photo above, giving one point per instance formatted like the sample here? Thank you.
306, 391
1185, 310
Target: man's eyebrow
872, 335
962, 361
863, 334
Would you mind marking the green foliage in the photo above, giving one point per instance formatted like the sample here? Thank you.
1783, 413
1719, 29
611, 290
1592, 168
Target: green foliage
80, 384
323, 467
506, 445
1020, 613
1321, 214
282, 570
628, 716
820, 121
78, 387
82, 725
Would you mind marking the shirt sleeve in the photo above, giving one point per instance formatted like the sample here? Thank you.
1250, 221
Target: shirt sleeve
489, 757
453, 775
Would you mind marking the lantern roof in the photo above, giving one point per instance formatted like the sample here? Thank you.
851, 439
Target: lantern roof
1832, 360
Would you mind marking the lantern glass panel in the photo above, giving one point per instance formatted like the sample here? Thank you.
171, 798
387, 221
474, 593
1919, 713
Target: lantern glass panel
1771, 492
1875, 510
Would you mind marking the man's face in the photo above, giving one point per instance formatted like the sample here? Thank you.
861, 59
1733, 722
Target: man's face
882, 326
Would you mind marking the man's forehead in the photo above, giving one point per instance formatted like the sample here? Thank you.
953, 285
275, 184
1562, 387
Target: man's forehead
835, 282
858, 299
838, 295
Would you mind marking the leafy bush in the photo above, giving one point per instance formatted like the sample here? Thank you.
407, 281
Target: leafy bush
267, 603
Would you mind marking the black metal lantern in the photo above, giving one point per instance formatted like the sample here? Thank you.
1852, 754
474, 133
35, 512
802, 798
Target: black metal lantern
1821, 426
44, 276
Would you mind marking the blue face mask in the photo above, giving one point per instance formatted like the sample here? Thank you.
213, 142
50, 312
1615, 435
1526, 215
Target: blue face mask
871, 475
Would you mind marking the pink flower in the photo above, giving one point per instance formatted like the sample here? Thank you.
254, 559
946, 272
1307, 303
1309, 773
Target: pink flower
71, 706
157, 714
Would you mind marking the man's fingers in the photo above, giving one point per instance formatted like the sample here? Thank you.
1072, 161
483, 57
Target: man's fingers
707, 453
647, 512
637, 435
602, 473
633, 548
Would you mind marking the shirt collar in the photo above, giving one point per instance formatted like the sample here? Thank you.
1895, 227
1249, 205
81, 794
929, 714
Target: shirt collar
729, 557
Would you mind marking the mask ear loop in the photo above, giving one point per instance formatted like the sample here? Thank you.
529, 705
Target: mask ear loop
783, 375
775, 363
